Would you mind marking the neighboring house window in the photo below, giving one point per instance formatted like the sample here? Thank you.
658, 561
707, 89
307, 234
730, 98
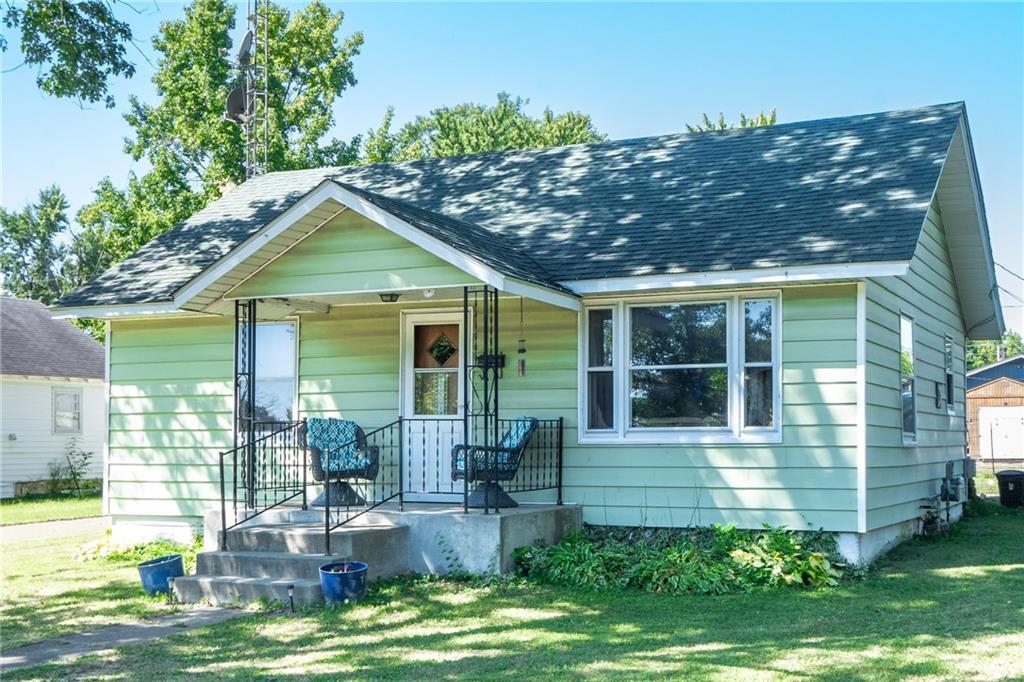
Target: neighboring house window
275, 371
948, 355
67, 410
679, 371
907, 397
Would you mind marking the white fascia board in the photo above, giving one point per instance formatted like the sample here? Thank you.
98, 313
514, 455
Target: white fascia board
795, 274
293, 214
543, 294
119, 311
979, 207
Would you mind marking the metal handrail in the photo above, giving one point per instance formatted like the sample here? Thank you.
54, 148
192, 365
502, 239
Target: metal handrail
249, 450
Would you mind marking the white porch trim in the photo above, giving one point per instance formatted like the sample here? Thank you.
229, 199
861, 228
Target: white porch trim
759, 276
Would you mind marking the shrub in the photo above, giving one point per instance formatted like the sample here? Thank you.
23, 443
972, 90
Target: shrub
715, 560
107, 550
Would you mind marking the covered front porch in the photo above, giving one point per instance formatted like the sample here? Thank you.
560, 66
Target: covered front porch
352, 434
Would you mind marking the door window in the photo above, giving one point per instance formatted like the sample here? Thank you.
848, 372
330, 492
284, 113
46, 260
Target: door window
436, 369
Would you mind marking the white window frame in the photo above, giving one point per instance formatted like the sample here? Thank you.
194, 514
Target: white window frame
948, 360
294, 322
735, 432
59, 390
909, 439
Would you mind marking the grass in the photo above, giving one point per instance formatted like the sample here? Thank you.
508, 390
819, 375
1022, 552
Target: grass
46, 593
48, 508
950, 608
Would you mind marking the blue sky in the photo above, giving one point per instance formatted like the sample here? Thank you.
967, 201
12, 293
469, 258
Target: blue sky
636, 69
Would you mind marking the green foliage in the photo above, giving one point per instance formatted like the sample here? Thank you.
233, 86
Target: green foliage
758, 120
31, 259
111, 552
475, 128
717, 560
981, 353
76, 46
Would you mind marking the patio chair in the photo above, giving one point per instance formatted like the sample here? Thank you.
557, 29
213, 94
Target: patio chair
486, 465
343, 443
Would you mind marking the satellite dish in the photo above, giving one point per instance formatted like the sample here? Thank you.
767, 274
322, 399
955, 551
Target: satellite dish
245, 50
235, 109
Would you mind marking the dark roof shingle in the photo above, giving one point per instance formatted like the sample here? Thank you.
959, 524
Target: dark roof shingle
34, 344
843, 190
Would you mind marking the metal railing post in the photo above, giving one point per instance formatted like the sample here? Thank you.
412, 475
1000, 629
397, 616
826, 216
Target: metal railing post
401, 464
327, 503
303, 463
223, 508
559, 472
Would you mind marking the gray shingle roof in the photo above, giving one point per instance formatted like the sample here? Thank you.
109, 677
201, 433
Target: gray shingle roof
34, 344
842, 190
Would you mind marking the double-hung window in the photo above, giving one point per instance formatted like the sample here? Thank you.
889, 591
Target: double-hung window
67, 410
690, 370
908, 400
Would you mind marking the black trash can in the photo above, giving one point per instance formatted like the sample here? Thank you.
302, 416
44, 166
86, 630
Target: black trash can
1011, 488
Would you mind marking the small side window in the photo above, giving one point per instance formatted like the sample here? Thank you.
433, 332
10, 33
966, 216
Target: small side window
67, 410
948, 352
600, 370
908, 399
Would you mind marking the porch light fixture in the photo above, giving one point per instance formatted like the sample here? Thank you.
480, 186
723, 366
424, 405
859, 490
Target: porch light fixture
428, 293
389, 298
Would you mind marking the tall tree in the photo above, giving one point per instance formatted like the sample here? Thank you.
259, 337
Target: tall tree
76, 46
981, 353
758, 120
474, 128
31, 258
194, 153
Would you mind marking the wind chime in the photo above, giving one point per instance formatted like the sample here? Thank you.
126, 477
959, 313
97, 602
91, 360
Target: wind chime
521, 352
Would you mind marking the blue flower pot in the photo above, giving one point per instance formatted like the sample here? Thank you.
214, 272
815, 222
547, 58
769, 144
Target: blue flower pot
343, 581
156, 574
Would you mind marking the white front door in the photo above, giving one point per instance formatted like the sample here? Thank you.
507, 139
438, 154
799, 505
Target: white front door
432, 402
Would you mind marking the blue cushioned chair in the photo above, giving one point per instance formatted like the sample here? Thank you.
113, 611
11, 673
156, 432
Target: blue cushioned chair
337, 452
486, 465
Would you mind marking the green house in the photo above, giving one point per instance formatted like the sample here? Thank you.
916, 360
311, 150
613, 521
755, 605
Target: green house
760, 326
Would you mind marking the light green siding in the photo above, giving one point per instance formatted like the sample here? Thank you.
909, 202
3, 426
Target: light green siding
899, 478
350, 254
170, 414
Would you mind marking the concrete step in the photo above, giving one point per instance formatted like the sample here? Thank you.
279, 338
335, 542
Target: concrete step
385, 548
233, 589
284, 565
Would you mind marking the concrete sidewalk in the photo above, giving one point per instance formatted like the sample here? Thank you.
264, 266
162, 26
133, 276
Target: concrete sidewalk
95, 525
112, 637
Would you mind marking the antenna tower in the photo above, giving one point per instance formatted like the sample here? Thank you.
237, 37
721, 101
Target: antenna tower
248, 104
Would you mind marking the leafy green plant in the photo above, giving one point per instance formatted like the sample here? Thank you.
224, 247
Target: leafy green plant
106, 549
714, 560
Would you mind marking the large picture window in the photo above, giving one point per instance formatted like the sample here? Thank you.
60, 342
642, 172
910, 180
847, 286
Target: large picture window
676, 371
908, 402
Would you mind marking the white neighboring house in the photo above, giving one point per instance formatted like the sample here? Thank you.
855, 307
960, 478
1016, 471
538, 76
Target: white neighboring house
51, 389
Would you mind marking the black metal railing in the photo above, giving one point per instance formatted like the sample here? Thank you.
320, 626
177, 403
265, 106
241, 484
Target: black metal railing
265, 473
379, 482
410, 455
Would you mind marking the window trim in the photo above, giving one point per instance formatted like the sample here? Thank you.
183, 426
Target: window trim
294, 321
949, 360
54, 391
736, 431
909, 438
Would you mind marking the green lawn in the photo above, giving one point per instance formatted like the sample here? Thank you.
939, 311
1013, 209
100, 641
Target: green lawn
951, 608
48, 508
46, 593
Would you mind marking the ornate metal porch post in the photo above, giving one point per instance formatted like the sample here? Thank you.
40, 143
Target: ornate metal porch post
245, 396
